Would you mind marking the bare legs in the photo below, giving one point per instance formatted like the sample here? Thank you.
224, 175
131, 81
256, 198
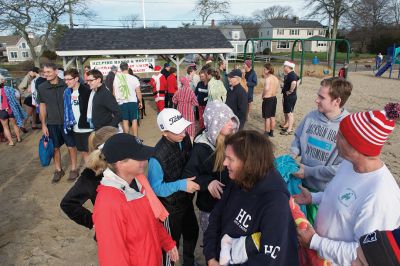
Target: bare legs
72, 155
134, 128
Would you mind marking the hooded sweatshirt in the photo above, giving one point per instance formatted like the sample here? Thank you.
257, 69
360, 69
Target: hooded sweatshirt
202, 158
263, 209
315, 141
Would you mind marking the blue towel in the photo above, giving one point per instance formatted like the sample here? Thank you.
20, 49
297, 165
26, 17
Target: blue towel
69, 119
16, 109
286, 165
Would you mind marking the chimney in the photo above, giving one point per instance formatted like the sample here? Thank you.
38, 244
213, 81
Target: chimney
30, 35
296, 20
212, 23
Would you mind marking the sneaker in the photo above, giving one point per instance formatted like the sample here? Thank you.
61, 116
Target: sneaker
57, 176
73, 174
266, 133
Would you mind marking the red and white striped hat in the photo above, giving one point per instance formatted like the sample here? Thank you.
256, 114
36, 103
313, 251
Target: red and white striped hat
368, 131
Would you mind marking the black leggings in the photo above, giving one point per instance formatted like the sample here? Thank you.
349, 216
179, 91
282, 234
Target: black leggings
184, 224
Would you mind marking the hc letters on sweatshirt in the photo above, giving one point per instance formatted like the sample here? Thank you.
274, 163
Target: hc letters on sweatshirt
265, 209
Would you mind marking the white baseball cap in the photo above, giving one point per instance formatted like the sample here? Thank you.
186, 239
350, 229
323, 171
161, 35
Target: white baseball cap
171, 120
289, 64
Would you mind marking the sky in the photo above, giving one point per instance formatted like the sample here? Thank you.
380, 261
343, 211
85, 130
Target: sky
171, 13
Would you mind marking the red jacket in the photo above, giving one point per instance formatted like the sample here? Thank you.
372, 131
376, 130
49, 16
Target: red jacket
127, 232
172, 84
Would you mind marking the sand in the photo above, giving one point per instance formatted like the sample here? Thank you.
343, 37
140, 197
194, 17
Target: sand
34, 230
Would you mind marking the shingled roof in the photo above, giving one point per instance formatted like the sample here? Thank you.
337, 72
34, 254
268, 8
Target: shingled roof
293, 23
142, 41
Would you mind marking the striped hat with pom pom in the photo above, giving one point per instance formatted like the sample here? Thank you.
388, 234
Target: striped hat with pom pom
368, 131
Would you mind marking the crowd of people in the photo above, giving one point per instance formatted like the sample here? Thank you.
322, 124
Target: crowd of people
245, 208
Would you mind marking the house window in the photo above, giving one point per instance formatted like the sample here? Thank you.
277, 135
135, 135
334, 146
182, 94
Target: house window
283, 45
280, 32
23, 45
25, 54
235, 35
14, 54
294, 32
267, 32
310, 32
260, 33
321, 32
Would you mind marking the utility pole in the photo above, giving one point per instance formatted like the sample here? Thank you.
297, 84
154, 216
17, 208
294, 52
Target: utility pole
71, 22
143, 15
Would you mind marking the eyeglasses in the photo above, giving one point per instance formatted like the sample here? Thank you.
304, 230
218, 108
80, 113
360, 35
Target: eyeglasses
69, 79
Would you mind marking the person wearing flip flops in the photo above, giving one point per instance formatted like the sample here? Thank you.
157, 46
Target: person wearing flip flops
315, 138
10, 111
289, 92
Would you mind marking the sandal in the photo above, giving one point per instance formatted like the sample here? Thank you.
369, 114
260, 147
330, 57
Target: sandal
286, 133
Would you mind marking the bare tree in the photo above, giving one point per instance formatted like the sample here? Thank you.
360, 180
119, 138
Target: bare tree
130, 21
36, 16
206, 8
395, 7
273, 12
369, 14
334, 10
250, 27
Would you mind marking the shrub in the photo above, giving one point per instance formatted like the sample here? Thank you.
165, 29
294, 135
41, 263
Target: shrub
267, 51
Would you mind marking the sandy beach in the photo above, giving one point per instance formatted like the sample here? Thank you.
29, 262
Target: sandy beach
34, 230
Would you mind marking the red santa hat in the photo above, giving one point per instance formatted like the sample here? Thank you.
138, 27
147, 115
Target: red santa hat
289, 64
157, 68
368, 131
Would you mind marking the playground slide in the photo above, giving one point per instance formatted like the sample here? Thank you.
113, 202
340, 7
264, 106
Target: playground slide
383, 69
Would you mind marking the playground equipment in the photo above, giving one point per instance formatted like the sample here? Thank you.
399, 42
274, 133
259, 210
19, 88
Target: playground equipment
302, 41
392, 59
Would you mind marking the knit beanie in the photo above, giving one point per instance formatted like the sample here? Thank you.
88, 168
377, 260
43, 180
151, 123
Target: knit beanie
368, 131
381, 247
216, 115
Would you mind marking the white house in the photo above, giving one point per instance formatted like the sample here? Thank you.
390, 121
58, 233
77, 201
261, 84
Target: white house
236, 36
16, 49
292, 28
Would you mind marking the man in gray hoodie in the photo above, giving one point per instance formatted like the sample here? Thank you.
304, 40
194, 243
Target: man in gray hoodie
315, 137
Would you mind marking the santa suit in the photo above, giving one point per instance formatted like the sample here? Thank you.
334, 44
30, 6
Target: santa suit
159, 84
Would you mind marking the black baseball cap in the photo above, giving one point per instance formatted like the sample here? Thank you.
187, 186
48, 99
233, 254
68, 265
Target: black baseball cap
235, 73
125, 146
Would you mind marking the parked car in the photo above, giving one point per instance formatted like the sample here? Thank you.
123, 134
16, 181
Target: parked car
4, 72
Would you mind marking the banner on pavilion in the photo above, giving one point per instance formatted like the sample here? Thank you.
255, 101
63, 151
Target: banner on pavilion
138, 65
